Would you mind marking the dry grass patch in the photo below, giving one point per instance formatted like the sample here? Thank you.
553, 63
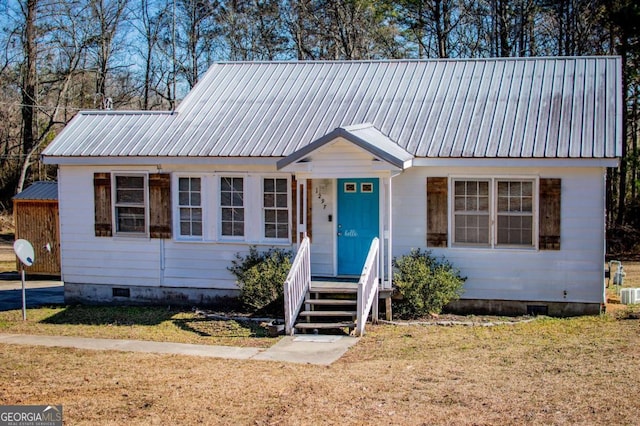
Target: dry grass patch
551, 371
138, 323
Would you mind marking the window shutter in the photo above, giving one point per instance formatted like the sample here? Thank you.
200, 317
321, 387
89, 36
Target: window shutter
102, 204
160, 205
295, 207
437, 212
294, 210
549, 233
309, 201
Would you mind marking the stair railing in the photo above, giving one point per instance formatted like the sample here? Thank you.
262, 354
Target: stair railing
297, 285
368, 287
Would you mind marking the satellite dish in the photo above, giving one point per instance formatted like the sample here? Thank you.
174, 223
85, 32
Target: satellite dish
24, 251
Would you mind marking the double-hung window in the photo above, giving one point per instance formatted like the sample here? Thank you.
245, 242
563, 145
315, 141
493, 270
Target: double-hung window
190, 205
514, 213
130, 203
471, 212
232, 206
275, 208
493, 212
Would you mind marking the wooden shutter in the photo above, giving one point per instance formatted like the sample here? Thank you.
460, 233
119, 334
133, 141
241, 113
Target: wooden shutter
437, 212
102, 204
294, 210
295, 207
550, 206
160, 205
309, 215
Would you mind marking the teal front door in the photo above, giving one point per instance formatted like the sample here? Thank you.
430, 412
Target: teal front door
358, 222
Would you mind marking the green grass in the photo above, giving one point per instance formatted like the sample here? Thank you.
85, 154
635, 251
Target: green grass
140, 323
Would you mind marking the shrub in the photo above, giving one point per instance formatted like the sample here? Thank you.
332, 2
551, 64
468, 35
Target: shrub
424, 284
261, 276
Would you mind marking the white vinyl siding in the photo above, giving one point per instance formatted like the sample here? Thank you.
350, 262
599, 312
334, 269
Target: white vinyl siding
517, 274
130, 203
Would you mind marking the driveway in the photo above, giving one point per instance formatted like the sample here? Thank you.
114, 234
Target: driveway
39, 292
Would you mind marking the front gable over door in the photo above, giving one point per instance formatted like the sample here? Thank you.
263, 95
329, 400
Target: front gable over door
352, 150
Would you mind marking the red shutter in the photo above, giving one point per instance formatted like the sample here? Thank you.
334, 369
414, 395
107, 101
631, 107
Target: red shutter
160, 205
437, 212
550, 208
102, 204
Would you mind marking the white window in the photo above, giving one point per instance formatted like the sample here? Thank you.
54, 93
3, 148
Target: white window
275, 208
493, 212
232, 207
471, 212
130, 202
190, 206
515, 213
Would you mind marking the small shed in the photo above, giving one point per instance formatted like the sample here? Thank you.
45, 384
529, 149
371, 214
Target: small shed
35, 213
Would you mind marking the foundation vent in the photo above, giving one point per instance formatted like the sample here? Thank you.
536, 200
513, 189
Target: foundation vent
120, 292
535, 310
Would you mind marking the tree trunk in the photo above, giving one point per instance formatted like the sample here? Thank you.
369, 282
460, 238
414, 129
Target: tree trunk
622, 183
29, 78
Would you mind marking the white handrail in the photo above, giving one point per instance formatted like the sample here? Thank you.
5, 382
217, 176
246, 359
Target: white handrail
368, 288
297, 285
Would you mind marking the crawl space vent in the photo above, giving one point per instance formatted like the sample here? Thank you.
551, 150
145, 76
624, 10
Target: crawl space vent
120, 292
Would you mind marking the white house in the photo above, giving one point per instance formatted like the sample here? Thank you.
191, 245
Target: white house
497, 164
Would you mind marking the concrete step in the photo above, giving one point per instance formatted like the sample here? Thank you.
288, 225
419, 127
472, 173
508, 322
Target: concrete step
328, 313
331, 302
323, 325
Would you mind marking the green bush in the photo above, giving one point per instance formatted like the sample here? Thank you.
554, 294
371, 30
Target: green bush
261, 276
424, 284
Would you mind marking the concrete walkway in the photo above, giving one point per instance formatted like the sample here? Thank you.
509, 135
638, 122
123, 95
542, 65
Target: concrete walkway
304, 349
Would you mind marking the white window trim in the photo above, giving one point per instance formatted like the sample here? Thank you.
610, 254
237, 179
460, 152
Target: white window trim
493, 213
175, 201
245, 205
263, 208
114, 191
253, 187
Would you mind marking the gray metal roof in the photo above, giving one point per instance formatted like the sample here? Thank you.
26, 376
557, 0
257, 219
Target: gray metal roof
39, 191
483, 108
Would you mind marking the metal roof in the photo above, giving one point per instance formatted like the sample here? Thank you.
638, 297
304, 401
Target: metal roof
39, 191
460, 108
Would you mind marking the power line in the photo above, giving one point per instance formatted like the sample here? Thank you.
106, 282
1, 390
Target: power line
20, 105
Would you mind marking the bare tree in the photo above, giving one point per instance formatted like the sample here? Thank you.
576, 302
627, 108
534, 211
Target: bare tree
195, 38
151, 19
107, 17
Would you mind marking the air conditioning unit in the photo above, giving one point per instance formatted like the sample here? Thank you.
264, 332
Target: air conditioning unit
630, 296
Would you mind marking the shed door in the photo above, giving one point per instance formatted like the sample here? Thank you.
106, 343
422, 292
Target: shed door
358, 222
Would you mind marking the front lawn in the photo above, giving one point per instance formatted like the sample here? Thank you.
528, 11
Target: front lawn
139, 323
549, 371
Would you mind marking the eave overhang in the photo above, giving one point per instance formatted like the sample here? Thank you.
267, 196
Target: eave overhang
365, 136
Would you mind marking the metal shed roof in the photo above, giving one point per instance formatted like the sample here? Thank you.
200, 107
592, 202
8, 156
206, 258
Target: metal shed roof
39, 191
462, 108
